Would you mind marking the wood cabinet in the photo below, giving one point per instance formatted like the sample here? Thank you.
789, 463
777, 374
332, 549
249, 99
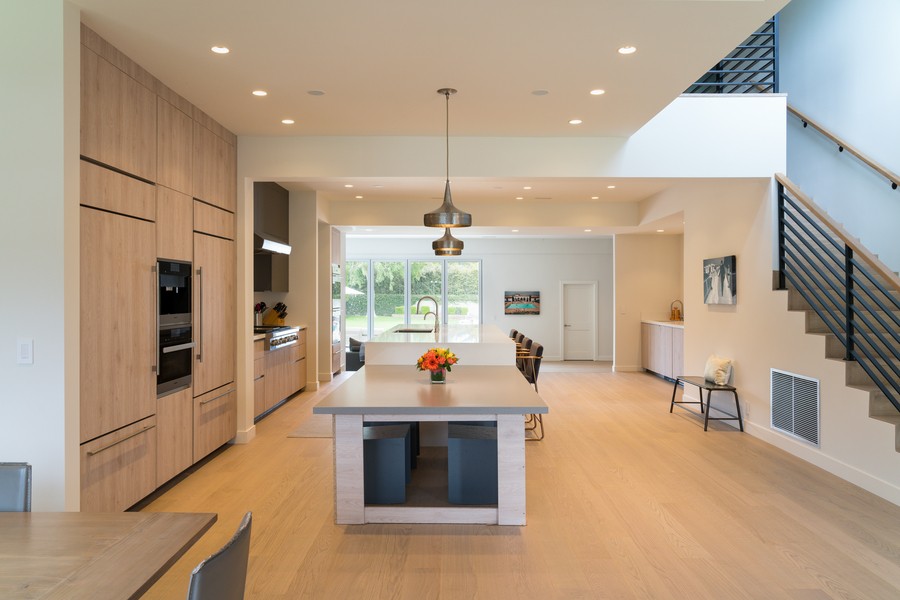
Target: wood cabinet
285, 374
108, 190
118, 118
213, 221
215, 420
662, 349
214, 169
214, 313
259, 377
174, 225
118, 321
119, 469
174, 434
174, 147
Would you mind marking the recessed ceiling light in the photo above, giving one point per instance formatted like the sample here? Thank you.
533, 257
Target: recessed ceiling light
540, 92
575, 122
316, 93
519, 198
348, 185
515, 231
220, 49
627, 50
660, 231
287, 121
587, 230
597, 92
595, 197
260, 93
527, 187
359, 197
610, 187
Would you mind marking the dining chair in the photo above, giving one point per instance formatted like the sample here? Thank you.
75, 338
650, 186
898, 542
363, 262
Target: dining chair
513, 333
532, 362
522, 352
15, 487
223, 574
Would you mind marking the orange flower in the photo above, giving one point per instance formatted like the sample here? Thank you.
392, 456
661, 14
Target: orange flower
436, 359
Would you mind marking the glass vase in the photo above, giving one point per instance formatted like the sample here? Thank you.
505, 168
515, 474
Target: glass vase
439, 376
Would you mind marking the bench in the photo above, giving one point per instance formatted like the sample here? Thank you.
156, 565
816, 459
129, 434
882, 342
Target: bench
710, 387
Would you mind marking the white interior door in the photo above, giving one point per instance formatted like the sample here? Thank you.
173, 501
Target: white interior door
579, 320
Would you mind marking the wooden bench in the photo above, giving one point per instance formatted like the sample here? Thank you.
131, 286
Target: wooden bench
710, 387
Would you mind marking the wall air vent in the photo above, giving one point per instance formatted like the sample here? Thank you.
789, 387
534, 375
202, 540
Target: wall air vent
795, 405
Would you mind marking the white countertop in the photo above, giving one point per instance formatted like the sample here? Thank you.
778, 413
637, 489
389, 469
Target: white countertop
676, 324
473, 344
402, 390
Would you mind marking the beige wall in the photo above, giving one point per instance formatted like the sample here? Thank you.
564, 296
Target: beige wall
648, 279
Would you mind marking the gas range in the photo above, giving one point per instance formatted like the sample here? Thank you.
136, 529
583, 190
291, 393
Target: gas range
278, 336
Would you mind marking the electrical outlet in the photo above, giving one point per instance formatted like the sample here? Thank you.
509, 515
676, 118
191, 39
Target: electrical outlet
25, 351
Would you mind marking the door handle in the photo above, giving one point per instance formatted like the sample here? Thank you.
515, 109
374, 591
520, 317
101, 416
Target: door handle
184, 346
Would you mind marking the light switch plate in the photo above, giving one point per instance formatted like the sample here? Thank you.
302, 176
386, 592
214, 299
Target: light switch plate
25, 351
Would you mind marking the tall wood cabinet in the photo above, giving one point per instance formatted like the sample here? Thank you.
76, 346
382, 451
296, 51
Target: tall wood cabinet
147, 153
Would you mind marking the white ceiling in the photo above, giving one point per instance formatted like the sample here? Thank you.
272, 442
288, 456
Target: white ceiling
379, 65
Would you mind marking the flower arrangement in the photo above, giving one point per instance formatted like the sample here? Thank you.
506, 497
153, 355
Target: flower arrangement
436, 360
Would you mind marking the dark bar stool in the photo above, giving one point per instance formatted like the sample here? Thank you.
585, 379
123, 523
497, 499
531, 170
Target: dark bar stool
472, 463
385, 463
710, 387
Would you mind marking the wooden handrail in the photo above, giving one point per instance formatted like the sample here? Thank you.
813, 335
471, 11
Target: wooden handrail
842, 145
858, 250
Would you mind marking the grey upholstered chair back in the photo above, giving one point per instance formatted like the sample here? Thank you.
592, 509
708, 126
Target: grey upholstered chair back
533, 365
15, 487
223, 575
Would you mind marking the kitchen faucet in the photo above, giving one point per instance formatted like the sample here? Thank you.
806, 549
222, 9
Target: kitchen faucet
433, 299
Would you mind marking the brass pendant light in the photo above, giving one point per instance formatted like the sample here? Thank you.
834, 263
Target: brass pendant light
447, 245
448, 215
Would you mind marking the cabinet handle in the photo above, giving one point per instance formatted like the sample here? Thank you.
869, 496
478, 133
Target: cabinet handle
155, 286
200, 315
184, 346
117, 442
217, 397
258, 378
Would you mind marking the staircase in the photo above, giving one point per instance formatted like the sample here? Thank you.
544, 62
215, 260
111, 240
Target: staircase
849, 297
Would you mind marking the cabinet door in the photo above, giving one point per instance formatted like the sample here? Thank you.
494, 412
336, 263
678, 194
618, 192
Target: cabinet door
118, 321
277, 376
174, 225
259, 386
118, 118
214, 312
174, 435
664, 348
119, 469
214, 169
175, 148
215, 420
647, 346
677, 352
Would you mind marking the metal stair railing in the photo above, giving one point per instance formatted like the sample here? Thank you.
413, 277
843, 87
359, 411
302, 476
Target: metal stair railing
752, 67
854, 293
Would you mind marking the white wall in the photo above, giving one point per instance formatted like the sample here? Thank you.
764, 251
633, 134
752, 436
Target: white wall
648, 279
530, 264
838, 66
39, 116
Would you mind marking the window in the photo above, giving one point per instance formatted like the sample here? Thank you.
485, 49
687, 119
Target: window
383, 293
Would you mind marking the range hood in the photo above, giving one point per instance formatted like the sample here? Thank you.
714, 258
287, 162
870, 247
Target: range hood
262, 244
270, 218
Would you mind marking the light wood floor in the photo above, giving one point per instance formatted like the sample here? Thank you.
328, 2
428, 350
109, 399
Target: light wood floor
624, 501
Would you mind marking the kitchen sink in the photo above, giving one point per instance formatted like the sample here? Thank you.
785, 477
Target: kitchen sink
415, 329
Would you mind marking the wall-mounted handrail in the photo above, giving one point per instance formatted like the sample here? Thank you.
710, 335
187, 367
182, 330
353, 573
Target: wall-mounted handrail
859, 251
842, 145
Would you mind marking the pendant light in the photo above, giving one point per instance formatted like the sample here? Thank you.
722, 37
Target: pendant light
448, 215
447, 245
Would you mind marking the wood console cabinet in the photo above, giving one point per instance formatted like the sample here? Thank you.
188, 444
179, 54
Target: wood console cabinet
662, 349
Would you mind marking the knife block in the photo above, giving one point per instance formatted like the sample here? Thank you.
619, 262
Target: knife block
270, 317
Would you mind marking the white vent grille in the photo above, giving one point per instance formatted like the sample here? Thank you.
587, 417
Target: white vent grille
795, 405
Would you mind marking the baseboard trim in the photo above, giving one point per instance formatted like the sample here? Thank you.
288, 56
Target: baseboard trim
246, 436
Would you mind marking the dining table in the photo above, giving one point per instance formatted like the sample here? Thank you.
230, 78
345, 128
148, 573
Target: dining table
96, 556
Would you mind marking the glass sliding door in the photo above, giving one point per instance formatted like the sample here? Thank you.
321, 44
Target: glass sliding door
426, 278
389, 294
356, 294
463, 291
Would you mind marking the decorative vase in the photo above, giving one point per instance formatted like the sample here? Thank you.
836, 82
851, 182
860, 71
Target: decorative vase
439, 376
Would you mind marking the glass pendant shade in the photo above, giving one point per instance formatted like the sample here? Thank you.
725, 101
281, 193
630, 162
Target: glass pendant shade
447, 245
448, 215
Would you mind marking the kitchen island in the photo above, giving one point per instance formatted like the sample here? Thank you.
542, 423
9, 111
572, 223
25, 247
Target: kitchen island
474, 344
391, 393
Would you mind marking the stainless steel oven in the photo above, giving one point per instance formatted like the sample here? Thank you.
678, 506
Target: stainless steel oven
175, 359
174, 292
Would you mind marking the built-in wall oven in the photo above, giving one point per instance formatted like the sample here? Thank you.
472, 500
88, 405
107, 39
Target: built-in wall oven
175, 339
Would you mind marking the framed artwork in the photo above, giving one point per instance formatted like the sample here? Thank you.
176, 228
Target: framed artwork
719, 280
522, 303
